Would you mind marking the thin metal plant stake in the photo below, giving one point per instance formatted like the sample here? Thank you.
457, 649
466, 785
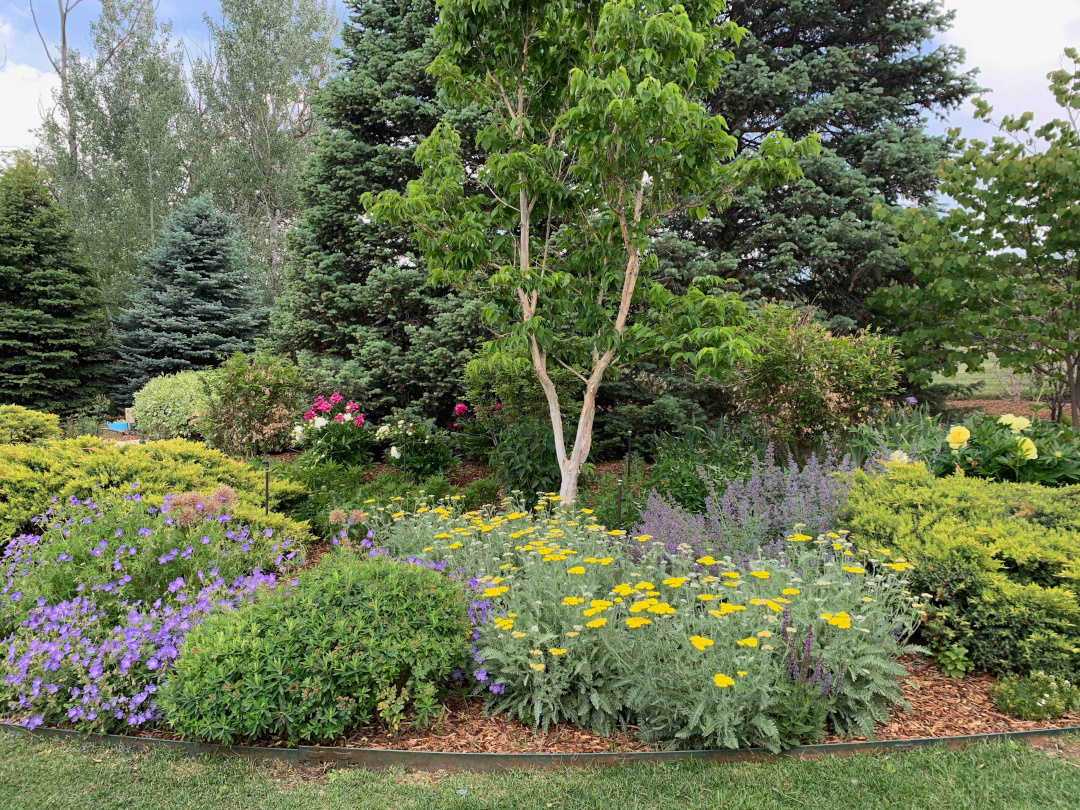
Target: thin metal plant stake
618, 504
266, 492
618, 507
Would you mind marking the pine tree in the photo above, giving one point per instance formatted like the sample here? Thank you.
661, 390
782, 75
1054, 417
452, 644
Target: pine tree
195, 304
865, 75
359, 317
52, 323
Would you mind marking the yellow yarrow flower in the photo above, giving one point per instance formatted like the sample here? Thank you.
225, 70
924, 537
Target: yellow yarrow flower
674, 582
637, 621
701, 642
572, 600
707, 560
705, 597
854, 569
760, 574
493, 592
575, 570
518, 634
790, 592
841, 619
747, 642
800, 538
537, 667
596, 623
722, 680
556, 651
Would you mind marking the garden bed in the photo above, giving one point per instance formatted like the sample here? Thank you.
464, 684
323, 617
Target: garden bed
942, 708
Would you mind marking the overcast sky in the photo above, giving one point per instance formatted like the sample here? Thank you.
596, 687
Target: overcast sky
1014, 45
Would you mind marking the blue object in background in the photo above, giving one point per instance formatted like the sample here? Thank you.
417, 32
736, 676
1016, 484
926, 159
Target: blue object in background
118, 426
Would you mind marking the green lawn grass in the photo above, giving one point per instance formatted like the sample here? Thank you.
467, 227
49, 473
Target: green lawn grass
36, 774
997, 382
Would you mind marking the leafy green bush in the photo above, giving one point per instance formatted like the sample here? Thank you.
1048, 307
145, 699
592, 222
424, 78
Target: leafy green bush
524, 460
251, 401
695, 650
999, 562
903, 434
684, 466
420, 449
1036, 697
32, 476
19, 424
479, 493
355, 639
170, 406
1011, 448
807, 382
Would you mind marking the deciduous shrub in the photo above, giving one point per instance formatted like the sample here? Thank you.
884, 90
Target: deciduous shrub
807, 381
31, 476
170, 406
356, 639
524, 460
419, 448
19, 424
1000, 562
251, 402
96, 603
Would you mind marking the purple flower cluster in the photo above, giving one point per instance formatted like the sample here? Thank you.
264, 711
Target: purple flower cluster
88, 652
755, 515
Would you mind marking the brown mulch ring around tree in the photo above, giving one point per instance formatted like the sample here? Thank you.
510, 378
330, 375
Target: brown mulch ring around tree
951, 707
998, 407
941, 707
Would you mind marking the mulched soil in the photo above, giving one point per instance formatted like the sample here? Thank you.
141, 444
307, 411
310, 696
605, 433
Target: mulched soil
998, 407
941, 707
951, 707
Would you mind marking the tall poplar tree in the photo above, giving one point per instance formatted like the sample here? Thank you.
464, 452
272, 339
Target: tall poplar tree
196, 304
52, 325
358, 309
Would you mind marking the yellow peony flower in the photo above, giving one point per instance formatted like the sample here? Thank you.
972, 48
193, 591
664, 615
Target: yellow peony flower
958, 437
722, 680
1027, 449
701, 642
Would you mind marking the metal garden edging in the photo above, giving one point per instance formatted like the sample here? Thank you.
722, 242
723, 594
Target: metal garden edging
375, 758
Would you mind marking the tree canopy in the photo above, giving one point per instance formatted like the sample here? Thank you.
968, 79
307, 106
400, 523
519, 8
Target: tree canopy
597, 132
999, 269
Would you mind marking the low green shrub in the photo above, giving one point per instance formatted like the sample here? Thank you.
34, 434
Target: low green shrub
88, 420
419, 449
806, 381
479, 493
524, 460
999, 563
356, 639
34, 476
251, 403
170, 406
1036, 697
19, 424
685, 464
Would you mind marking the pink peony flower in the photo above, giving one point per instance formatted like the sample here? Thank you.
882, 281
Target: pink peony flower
351, 406
461, 408
497, 406
455, 424
309, 415
359, 420
335, 398
322, 406
339, 418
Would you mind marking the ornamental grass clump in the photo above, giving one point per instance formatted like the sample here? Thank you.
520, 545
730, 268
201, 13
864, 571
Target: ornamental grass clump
95, 607
693, 645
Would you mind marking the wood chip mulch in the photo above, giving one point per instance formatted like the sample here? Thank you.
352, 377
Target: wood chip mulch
465, 729
950, 707
997, 407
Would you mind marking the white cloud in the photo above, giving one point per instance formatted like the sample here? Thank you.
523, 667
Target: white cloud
26, 92
1014, 46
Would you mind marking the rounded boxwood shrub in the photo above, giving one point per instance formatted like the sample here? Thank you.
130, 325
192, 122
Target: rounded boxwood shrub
169, 406
356, 637
19, 424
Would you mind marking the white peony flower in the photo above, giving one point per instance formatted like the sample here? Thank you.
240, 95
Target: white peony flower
394, 452
298, 431
319, 422
900, 456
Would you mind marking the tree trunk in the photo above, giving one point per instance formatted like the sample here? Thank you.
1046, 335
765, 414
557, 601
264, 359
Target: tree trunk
1072, 380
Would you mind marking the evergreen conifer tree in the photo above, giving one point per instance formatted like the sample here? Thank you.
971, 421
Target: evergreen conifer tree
865, 74
195, 304
358, 316
52, 322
